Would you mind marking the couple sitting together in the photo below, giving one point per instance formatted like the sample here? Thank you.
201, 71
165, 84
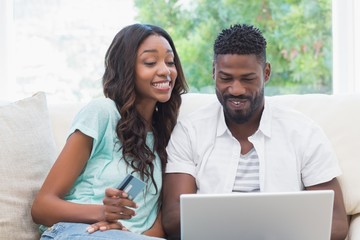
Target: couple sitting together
134, 130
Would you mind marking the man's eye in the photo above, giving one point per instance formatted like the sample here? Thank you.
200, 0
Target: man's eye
248, 79
225, 78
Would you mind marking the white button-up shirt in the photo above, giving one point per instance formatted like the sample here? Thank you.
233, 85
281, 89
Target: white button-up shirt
293, 151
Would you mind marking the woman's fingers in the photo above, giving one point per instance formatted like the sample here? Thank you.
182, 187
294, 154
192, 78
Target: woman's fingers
114, 192
114, 213
116, 197
103, 226
119, 201
117, 205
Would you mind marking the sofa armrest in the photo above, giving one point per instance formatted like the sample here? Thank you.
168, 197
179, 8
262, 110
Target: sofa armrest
354, 231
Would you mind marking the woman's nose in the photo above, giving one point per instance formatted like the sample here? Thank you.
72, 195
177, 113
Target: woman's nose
164, 70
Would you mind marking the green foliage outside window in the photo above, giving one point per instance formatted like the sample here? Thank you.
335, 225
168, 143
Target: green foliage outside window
298, 34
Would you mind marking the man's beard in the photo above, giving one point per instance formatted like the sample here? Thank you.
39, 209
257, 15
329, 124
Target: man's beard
244, 115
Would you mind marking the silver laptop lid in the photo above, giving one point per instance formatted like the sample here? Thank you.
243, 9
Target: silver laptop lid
257, 216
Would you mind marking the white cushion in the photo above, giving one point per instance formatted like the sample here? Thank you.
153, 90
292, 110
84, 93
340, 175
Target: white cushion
61, 117
27, 151
194, 101
354, 231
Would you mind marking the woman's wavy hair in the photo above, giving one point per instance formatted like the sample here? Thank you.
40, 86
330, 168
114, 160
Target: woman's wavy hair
119, 85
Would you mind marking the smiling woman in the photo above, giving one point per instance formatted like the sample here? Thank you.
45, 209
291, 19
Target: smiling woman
124, 133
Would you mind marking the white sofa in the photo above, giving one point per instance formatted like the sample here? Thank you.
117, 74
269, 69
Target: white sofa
37, 133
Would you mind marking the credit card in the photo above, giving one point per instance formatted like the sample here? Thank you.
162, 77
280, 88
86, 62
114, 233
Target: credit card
132, 186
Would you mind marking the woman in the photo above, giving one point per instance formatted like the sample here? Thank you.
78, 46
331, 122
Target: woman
126, 132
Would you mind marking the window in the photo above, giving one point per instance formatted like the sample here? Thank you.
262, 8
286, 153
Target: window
298, 33
58, 46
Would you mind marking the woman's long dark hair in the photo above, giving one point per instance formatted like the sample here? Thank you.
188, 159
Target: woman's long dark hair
119, 85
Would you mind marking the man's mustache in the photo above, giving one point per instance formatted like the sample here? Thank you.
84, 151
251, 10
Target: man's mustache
241, 97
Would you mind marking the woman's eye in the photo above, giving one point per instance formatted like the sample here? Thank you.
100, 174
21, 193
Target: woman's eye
149, 63
171, 63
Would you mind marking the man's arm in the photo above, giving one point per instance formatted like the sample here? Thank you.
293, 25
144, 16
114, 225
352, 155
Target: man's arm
156, 230
340, 224
174, 185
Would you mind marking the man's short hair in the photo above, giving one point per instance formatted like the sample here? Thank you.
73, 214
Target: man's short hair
241, 39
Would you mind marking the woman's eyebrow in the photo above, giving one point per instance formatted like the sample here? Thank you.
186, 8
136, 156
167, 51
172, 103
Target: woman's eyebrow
154, 51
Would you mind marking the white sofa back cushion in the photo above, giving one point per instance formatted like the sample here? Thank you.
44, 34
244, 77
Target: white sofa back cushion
27, 151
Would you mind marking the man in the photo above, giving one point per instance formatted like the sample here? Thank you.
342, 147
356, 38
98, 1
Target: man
244, 143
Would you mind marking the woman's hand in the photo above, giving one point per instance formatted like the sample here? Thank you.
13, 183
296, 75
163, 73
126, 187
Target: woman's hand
117, 206
103, 226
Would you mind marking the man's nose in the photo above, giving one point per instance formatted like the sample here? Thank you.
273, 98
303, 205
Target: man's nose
237, 88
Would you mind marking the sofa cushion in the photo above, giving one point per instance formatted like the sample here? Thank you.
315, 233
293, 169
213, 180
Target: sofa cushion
354, 231
61, 117
27, 151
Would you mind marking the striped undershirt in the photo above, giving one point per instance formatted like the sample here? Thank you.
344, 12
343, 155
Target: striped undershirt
247, 175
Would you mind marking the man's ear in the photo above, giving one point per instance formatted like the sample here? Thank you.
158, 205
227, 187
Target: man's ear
267, 72
213, 70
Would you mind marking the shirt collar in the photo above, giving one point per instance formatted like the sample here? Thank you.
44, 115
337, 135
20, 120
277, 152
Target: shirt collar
265, 121
221, 126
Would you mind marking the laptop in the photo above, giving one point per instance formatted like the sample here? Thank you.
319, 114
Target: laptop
303, 215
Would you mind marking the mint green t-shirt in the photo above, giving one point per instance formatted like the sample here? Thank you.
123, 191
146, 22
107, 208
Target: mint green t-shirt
105, 168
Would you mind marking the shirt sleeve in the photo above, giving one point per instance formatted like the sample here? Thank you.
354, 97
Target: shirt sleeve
95, 120
320, 162
180, 151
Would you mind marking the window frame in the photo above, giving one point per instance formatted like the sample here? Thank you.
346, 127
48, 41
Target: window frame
6, 34
346, 46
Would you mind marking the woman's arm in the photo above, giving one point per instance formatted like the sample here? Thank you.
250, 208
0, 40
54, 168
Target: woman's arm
49, 207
